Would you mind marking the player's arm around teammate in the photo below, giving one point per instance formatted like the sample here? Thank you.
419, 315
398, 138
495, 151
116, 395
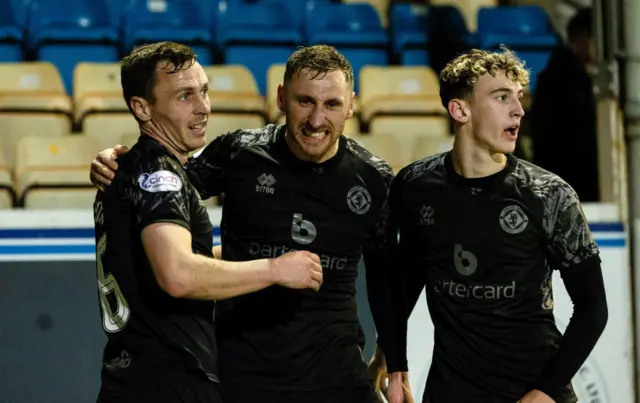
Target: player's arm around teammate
387, 299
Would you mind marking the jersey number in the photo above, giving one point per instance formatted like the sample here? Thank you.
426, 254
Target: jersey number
112, 320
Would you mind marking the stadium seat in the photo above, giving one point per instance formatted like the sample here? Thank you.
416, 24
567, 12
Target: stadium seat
425, 146
535, 62
79, 32
468, 8
32, 86
411, 147
52, 172
354, 29
19, 9
14, 126
256, 35
107, 129
163, 20
385, 147
97, 89
233, 89
381, 7
275, 75
517, 27
223, 123
398, 90
11, 32
411, 125
6, 183
417, 28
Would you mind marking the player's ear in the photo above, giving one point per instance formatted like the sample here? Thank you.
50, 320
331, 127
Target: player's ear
350, 105
459, 110
281, 98
141, 108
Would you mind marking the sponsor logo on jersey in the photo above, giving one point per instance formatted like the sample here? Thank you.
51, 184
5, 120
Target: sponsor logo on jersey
160, 181
272, 251
265, 184
513, 220
359, 200
426, 215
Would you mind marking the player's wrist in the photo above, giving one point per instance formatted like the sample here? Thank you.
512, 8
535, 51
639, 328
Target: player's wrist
274, 271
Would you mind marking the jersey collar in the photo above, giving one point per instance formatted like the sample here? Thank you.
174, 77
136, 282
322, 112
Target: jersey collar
289, 159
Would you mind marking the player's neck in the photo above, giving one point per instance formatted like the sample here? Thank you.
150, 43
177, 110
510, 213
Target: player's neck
471, 161
162, 138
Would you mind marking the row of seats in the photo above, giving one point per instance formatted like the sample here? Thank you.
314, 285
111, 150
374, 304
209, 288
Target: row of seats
37, 87
259, 33
50, 172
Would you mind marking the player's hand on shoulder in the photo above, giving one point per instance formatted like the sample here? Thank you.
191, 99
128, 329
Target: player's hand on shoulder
536, 396
103, 167
299, 269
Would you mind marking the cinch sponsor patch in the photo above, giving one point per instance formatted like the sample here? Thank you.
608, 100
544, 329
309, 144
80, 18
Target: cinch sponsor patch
160, 181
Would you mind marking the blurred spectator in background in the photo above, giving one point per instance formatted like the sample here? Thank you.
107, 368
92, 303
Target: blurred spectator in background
563, 112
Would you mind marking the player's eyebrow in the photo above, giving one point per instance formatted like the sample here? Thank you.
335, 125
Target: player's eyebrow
191, 88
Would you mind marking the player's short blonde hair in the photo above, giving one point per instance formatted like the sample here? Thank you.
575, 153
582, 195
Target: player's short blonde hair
459, 77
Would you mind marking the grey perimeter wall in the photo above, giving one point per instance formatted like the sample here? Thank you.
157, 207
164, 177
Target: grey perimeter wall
51, 338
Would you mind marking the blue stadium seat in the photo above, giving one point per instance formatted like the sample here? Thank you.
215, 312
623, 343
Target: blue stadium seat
11, 34
354, 29
408, 25
20, 10
517, 27
79, 32
535, 63
256, 35
167, 20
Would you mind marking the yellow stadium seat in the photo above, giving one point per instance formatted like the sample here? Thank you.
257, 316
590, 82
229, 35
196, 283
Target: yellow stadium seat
32, 86
97, 88
398, 90
381, 7
407, 125
223, 123
233, 89
58, 163
6, 184
387, 148
275, 75
14, 126
107, 129
425, 146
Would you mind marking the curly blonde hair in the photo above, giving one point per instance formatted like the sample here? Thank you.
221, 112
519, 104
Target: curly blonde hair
459, 77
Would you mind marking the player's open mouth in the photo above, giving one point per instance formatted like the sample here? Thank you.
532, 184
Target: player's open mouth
199, 128
512, 130
314, 136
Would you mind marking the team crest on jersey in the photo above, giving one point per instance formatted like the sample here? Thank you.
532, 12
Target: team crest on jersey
513, 219
160, 181
359, 200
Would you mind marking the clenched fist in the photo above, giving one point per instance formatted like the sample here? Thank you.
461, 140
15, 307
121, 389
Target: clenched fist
298, 270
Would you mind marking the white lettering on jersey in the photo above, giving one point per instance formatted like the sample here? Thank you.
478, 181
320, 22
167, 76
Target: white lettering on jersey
160, 181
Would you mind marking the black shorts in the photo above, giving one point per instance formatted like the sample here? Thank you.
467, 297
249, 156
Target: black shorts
360, 393
172, 387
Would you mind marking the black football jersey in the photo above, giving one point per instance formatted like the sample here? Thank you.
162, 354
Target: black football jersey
486, 249
281, 338
147, 329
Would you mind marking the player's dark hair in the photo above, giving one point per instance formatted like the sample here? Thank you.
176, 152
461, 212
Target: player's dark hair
580, 24
138, 69
317, 60
459, 77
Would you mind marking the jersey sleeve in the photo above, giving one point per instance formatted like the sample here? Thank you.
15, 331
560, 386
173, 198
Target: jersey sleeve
160, 194
383, 287
569, 239
206, 168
